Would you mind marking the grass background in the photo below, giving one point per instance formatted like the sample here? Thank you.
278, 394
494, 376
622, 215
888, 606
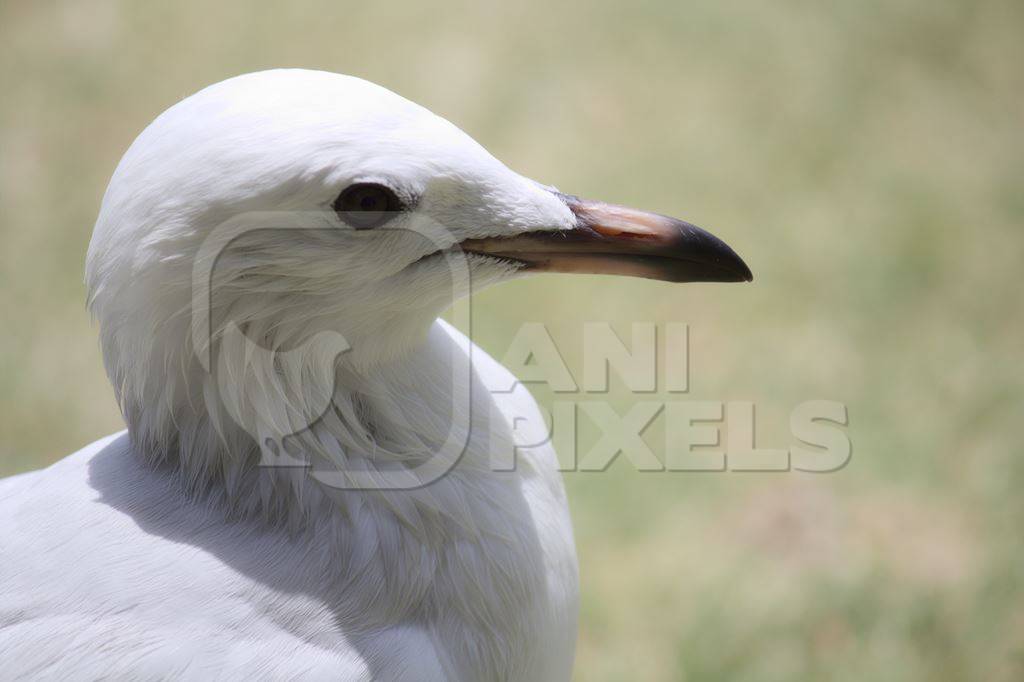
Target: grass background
867, 160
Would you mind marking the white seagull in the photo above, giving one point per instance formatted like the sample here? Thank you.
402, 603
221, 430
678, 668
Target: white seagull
267, 270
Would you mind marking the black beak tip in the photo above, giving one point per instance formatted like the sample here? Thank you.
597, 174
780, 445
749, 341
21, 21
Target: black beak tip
732, 267
720, 262
733, 261
745, 275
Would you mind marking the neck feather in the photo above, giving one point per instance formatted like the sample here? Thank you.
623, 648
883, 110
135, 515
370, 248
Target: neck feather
463, 544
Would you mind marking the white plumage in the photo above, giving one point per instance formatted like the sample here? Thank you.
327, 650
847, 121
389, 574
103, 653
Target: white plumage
168, 551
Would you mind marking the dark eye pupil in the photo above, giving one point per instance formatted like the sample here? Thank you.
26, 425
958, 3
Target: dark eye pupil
366, 205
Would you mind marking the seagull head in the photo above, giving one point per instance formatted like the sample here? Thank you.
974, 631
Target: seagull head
382, 191
301, 202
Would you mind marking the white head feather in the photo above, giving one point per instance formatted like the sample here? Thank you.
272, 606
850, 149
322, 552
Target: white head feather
285, 141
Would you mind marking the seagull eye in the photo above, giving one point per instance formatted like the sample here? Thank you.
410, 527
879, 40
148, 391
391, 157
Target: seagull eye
366, 205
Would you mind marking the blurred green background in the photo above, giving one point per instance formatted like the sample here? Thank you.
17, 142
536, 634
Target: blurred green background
866, 158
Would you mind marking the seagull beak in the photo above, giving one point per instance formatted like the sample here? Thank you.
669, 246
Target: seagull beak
616, 240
